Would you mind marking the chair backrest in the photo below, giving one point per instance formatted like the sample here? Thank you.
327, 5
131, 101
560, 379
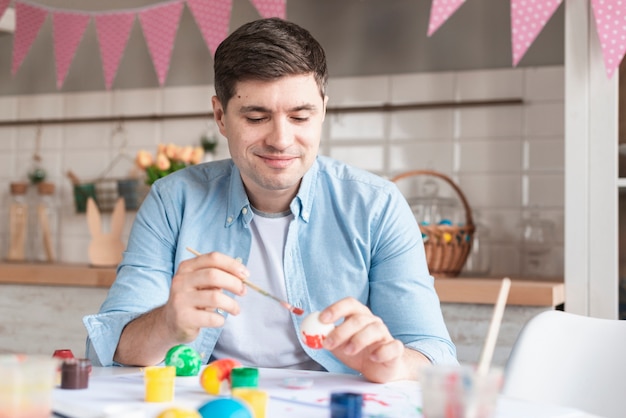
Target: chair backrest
570, 360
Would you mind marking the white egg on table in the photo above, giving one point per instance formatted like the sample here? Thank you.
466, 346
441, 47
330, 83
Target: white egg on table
313, 331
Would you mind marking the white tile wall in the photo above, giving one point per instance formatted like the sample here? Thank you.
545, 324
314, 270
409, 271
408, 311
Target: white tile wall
507, 159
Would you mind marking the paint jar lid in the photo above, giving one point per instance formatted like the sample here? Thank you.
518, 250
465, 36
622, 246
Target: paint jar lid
346, 405
160, 372
63, 353
244, 377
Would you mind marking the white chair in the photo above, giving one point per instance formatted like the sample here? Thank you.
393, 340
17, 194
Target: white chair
570, 360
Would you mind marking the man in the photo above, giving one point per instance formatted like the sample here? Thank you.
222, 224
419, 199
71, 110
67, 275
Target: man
322, 235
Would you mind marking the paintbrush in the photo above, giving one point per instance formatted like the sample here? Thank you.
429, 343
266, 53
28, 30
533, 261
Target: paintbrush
293, 309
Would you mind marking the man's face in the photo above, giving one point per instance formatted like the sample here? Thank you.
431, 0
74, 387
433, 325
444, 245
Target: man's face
273, 130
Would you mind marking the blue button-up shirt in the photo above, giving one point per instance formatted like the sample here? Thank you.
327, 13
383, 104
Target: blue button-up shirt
353, 234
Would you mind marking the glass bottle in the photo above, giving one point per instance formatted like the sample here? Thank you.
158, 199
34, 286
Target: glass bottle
478, 262
18, 222
46, 219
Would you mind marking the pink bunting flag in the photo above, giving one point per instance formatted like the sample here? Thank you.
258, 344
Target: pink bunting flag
271, 8
28, 21
212, 17
611, 26
159, 25
440, 11
4, 4
528, 17
67, 30
113, 30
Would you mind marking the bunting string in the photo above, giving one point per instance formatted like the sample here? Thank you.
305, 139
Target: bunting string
528, 18
160, 23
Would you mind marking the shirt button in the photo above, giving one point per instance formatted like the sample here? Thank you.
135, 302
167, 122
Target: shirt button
229, 219
244, 210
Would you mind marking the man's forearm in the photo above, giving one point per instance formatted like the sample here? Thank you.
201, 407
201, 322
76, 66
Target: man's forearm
414, 361
144, 341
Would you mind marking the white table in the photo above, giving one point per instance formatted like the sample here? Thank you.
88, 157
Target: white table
119, 392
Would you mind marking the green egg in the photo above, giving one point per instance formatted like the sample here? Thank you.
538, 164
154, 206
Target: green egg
185, 359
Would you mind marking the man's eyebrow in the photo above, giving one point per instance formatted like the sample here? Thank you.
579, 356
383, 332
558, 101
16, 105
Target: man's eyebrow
261, 109
253, 108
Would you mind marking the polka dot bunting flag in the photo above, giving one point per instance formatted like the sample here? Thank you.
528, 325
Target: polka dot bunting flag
28, 21
212, 17
440, 11
113, 31
160, 24
610, 18
67, 29
528, 17
4, 4
271, 8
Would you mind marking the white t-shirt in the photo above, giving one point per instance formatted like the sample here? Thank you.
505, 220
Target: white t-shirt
263, 334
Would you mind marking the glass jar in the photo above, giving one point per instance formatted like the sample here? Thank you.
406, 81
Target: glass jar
538, 236
18, 222
46, 221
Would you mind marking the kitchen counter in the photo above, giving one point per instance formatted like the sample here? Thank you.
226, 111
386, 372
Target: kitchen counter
524, 291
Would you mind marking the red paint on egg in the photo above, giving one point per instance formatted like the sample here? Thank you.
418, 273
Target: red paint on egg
313, 341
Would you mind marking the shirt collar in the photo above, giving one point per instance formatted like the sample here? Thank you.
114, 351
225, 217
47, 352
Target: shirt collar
239, 205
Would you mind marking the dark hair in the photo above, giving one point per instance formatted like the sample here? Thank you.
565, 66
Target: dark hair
267, 49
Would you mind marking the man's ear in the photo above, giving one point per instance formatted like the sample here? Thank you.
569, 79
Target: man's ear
218, 113
325, 107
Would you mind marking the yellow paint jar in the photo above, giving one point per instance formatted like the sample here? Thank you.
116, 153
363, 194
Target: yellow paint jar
159, 383
256, 399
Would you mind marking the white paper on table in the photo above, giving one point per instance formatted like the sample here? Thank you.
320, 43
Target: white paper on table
122, 396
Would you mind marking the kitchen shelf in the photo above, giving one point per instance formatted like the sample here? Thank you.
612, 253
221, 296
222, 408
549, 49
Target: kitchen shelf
524, 292
56, 274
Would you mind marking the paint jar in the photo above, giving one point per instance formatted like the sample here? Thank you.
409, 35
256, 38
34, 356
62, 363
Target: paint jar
346, 405
254, 398
244, 377
159, 383
26, 386
75, 373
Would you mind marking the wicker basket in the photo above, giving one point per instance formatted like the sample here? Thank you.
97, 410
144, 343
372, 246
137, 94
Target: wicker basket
447, 246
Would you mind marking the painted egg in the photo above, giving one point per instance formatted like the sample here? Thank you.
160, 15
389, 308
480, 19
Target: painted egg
186, 360
313, 332
216, 375
225, 407
179, 413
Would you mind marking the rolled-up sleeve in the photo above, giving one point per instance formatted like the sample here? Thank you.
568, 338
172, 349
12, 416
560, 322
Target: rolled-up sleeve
103, 334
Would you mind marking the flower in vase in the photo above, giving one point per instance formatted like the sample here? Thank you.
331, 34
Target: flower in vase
169, 158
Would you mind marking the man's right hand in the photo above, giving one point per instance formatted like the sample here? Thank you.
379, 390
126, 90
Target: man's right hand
196, 301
